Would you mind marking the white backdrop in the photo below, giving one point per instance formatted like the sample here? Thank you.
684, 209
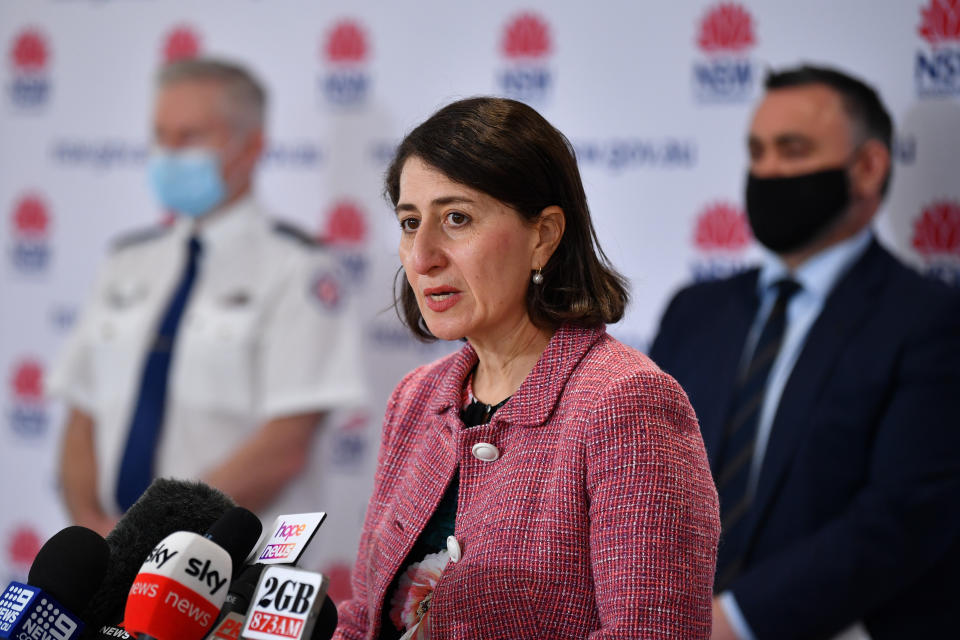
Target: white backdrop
656, 97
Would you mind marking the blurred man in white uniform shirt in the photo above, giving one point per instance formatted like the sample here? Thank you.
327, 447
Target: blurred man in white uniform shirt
260, 339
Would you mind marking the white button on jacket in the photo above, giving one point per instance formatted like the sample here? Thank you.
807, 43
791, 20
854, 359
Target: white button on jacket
453, 548
485, 451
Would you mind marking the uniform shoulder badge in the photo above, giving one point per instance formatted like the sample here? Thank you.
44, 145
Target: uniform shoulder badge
139, 237
295, 233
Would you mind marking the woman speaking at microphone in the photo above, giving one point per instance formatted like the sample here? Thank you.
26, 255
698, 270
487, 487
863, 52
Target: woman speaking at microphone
545, 481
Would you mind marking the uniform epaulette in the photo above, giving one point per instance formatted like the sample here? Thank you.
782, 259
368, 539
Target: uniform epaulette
140, 236
296, 233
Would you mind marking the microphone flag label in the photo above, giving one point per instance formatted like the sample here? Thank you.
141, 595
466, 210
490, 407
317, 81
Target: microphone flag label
30, 613
179, 589
286, 604
290, 537
229, 628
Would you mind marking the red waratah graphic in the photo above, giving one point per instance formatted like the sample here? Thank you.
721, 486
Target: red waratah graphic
29, 51
339, 575
346, 225
941, 21
30, 218
937, 229
527, 36
27, 381
24, 545
347, 43
722, 226
726, 27
182, 43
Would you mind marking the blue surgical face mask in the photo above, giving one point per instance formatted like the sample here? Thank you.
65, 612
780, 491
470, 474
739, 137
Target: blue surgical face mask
187, 182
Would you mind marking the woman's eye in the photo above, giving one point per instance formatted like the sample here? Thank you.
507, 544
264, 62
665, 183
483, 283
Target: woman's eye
456, 218
409, 224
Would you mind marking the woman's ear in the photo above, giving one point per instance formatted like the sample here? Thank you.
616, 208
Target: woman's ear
550, 226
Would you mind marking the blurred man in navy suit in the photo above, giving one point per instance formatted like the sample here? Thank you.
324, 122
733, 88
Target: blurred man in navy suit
826, 383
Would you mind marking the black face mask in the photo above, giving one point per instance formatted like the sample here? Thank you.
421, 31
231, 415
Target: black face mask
788, 213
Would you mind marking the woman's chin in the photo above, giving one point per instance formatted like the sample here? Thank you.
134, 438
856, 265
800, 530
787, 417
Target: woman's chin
445, 330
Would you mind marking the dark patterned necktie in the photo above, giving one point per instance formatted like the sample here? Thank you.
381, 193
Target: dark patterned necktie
136, 467
740, 437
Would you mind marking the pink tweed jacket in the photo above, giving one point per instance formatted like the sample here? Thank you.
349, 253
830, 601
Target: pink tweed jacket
598, 520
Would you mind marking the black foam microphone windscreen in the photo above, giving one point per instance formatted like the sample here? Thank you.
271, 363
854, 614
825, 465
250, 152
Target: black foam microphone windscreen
326, 623
70, 566
237, 531
165, 507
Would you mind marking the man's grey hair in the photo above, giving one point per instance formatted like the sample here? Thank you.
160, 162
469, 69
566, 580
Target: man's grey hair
244, 96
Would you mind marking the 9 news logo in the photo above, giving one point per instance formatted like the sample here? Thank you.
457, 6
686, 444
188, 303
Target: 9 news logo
27, 614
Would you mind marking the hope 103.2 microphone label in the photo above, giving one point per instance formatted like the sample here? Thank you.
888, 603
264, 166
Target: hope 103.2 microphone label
286, 603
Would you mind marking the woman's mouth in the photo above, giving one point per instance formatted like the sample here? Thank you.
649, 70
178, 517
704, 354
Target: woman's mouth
440, 299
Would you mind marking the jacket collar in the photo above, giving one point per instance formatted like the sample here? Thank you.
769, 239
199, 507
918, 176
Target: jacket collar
535, 400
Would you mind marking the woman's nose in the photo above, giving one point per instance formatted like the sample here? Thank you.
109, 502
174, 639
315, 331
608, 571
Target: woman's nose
427, 252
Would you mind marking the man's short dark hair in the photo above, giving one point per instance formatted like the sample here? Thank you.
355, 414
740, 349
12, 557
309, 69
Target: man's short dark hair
861, 101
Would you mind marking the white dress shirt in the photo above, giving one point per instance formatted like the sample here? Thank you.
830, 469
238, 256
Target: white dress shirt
267, 332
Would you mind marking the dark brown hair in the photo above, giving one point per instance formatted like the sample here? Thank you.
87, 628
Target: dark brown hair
507, 150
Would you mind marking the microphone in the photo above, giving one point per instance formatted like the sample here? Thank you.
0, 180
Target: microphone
290, 604
291, 535
183, 583
62, 579
165, 507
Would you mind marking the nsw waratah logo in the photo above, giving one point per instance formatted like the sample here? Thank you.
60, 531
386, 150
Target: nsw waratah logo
29, 60
725, 72
346, 51
721, 237
936, 68
350, 442
182, 42
28, 408
23, 546
936, 237
526, 46
30, 237
345, 232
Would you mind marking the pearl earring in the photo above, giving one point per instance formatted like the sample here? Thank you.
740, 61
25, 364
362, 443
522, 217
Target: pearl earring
537, 277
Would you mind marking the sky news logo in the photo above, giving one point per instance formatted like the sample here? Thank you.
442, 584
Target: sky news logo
937, 66
28, 408
936, 237
30, 222
345, 232
526, 46
721, 237
182, 42
345, 81
29, 59
725, 73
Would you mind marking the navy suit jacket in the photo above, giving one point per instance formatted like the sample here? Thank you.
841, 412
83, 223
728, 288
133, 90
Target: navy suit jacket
857, 512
